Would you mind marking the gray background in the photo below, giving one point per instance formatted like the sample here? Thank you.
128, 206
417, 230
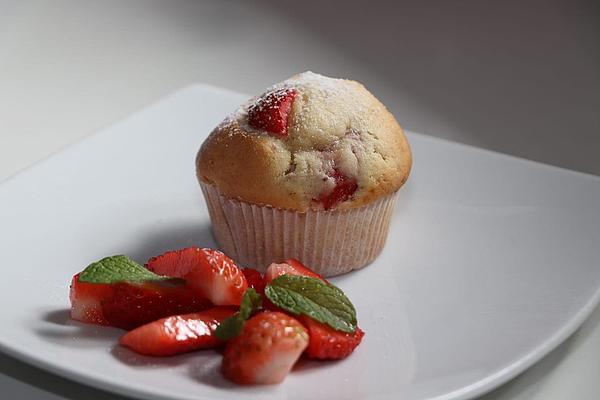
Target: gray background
519, 77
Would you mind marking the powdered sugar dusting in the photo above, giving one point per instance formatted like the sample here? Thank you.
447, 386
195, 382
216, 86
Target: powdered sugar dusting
333, 86
332, 125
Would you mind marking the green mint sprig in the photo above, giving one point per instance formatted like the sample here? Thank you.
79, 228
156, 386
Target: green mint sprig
121, 269
232, 326
314, 298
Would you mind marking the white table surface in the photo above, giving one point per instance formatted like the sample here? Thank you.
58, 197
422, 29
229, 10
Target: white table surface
519, 79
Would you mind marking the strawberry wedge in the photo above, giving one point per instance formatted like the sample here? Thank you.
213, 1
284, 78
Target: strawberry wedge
291, 266
210, 273
127, 305
117, 291
178, 334
325, 343
329, 344
265, 351
86, 301
255, 279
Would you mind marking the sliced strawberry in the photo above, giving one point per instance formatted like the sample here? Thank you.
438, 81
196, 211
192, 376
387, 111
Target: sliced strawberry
132, 305
127, 306
291, 266
216, 277
271, 112
86, 301
175, 263
327, 343
343, 189
255, 279
211, 273
178, 334
266, 350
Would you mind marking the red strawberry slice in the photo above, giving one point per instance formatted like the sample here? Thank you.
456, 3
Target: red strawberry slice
174, 263
86, 301
255, 279
344, 188
271, 112
209, 272
266, 350
178, 334
291, 266
133, 305
327, 343
216, 277
127, 306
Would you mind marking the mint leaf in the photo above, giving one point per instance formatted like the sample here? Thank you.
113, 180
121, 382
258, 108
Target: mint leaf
119, 269
312, 297
232, 326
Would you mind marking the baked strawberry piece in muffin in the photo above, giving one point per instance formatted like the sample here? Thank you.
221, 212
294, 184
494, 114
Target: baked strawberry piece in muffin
308, 170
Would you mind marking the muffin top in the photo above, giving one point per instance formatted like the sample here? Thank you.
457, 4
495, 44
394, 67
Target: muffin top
308, 143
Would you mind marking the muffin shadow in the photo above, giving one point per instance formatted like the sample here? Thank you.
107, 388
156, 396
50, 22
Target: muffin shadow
172, 238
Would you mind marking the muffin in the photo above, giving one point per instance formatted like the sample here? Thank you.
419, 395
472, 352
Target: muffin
308, 170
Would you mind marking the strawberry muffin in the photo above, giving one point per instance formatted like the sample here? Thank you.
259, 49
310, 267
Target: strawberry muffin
309, 170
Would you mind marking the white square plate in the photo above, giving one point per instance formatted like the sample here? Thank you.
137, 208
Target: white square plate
491, 262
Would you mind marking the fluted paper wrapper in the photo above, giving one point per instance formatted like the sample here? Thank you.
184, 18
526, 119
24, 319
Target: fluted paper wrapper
329, 242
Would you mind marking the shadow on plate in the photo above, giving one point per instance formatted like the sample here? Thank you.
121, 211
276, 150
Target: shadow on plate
203, 365
306, 365
131, 358
58, 317
172, 238
61, 329
206, 369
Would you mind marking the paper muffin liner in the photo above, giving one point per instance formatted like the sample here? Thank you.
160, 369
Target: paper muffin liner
330, 242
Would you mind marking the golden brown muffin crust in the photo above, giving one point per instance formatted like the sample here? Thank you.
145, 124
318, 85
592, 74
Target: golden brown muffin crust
333, 124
